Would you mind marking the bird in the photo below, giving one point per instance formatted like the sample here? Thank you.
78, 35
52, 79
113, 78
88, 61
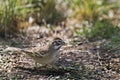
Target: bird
47, 54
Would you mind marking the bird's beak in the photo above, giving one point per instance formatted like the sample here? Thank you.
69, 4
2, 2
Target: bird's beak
64, 43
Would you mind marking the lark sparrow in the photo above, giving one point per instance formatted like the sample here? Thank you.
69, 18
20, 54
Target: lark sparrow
47, 54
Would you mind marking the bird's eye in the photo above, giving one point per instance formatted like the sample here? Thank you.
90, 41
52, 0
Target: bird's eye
59, 41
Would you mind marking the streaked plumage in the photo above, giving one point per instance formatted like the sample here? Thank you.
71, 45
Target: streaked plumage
45, 54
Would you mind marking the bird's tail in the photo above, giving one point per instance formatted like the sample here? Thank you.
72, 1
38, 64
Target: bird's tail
17, 50
12, 49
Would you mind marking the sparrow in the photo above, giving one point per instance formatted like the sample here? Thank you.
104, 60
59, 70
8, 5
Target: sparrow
47, 54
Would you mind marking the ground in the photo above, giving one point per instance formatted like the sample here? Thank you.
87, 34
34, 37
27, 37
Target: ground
80, 60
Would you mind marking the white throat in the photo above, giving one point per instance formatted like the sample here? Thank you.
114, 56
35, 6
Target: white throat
57, 47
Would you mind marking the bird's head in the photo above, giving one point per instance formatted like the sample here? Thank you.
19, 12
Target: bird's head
57, 43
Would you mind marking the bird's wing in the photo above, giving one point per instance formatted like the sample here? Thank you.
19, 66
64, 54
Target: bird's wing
39, 54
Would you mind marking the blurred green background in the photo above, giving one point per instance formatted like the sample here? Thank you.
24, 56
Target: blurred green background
99, 18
